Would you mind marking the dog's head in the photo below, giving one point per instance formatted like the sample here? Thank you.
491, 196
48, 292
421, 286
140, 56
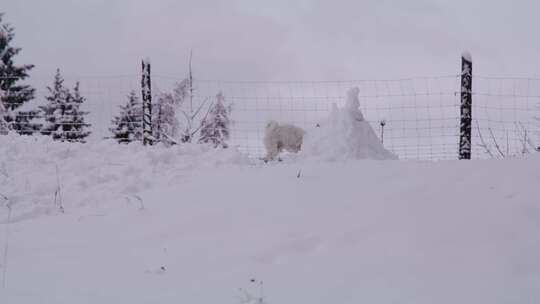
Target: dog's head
272, 124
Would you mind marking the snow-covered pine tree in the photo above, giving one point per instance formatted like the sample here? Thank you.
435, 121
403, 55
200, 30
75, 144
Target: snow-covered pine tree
54, 108
25, 123
64, 120
216, 126
74, 126
14, 94
127, 126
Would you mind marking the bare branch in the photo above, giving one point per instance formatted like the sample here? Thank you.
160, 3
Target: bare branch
199, 109
507, 144
188, 120
190, 82
58, 193
524, 149
483, 143
495, 143
172, 140
204, 118
528, 138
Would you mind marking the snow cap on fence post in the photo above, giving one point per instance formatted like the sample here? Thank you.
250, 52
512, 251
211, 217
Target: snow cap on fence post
467, 56
466, 106
146, 91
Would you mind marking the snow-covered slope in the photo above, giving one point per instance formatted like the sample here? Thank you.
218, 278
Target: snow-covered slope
193, 225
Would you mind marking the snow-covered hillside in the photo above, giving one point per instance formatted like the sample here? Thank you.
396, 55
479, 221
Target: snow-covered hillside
191, 224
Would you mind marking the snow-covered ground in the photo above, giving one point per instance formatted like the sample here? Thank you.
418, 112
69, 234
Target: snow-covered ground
191, 224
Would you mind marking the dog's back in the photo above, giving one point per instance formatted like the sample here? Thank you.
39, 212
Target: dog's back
282, 137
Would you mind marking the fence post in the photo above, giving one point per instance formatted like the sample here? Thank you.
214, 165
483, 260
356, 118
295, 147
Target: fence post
466, 107
146, 90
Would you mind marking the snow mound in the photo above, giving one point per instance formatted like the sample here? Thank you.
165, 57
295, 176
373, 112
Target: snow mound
345, 134
40, 176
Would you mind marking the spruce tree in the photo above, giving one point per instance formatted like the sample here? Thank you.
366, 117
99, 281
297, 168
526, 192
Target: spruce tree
14, 94
73, 124
215, 127
127, 127
64, 120
54, 108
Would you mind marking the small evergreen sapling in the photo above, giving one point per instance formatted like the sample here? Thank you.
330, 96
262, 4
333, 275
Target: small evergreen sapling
127, 127
53, 110
216, 125
64, 120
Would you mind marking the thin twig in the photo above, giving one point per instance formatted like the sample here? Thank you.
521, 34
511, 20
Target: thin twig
524, 149
3, 170
58, 193
190, 81
507, 144
172, 140
495, 143
483, 143
140, 201
190, 119
199, 108
185, 115
141, 207
529, 141
6, 243
204, 118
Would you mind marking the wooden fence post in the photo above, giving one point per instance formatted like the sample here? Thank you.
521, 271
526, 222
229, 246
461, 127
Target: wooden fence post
146, 90
466, 107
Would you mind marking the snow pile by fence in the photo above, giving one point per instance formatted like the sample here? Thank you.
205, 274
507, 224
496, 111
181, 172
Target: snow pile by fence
345, 134
39, 176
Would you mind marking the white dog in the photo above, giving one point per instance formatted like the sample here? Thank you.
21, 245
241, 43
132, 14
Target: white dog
281, 137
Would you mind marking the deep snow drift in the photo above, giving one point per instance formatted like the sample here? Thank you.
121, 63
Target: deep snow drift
193, 225
41, 176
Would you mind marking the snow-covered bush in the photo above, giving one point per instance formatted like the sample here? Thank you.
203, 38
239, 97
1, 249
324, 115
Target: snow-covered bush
178, 118
165, 122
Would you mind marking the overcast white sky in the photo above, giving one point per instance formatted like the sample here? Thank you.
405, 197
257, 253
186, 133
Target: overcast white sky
278, 39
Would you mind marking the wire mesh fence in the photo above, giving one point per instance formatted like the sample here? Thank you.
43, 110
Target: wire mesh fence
416, 118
